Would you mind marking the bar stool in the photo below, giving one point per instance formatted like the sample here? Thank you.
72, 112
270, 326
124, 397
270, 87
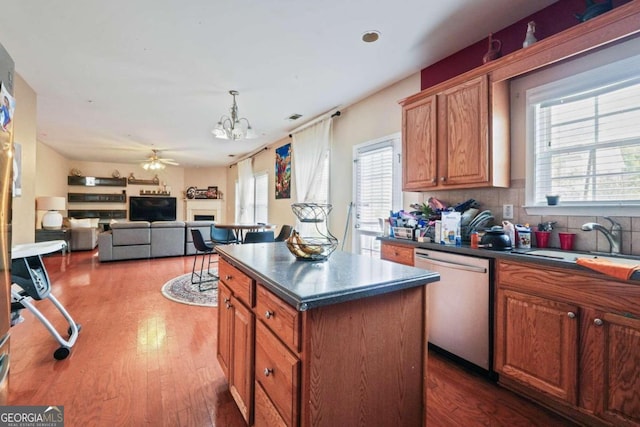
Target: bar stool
202, 248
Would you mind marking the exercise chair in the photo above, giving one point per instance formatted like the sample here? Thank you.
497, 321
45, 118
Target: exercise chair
202, 248
258, 237
285, 233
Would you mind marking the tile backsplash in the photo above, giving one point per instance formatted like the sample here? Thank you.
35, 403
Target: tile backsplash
494, 198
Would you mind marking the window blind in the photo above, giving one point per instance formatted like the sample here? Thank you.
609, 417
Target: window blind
374, 185
587, 144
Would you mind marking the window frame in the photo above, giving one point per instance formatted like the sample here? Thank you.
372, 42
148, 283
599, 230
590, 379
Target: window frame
597, 76
255, 192
395, 142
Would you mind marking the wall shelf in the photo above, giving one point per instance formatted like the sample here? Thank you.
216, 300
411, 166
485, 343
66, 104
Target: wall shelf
103, 214
90, 181
97, 197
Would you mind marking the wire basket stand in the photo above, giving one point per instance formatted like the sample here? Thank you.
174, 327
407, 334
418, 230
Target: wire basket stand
313, 231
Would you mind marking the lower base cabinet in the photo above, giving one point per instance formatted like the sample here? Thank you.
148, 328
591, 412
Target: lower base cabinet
355, 363
571, 341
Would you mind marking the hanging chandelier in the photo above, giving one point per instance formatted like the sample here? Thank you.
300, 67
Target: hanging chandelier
233, 127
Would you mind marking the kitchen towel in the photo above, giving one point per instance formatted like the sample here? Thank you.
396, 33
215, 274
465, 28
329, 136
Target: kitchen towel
619, 271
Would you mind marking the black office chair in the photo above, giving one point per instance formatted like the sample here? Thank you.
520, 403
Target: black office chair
222, 236
285, 233
258, 237
202, 248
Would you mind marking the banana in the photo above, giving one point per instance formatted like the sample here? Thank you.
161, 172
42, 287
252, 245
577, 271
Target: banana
305, 246
295, 249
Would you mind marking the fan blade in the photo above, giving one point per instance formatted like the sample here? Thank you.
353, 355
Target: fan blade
169, 162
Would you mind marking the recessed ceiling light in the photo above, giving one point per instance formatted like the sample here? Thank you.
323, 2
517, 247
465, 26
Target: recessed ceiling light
371, 36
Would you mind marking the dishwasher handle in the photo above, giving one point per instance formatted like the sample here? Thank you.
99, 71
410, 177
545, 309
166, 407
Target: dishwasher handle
454, 265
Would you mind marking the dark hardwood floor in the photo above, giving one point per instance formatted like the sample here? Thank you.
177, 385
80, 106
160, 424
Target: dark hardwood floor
142, 359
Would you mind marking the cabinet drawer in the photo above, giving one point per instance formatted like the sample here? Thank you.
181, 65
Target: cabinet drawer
399, 254
279, 316
277, 371
240, 284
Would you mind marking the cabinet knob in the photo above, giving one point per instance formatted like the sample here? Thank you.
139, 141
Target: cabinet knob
228, 305
443, 178
267, 372
598, 322
433, 180
268, 314
228, 277
571, 315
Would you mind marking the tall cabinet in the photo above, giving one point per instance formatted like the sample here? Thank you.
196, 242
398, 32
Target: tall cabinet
456, 136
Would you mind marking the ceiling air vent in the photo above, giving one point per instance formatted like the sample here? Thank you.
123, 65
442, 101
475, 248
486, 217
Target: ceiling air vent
294, 117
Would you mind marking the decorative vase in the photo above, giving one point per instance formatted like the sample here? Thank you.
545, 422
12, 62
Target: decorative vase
494, 50
530, 38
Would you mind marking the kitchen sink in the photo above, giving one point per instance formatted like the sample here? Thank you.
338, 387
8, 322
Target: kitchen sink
572, 256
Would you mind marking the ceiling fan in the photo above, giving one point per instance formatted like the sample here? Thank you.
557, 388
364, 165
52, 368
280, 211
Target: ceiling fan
154, 162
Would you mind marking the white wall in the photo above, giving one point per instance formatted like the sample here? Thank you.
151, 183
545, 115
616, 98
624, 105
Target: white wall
24, 133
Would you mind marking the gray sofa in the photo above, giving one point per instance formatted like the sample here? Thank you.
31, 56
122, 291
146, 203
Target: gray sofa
143, 239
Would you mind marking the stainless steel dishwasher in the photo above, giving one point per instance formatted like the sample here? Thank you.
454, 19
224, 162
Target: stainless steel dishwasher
459, 306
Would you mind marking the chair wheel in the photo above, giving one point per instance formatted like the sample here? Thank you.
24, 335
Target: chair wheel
61, 353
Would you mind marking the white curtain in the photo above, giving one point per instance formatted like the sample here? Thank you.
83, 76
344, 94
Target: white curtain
310, 147
245, 190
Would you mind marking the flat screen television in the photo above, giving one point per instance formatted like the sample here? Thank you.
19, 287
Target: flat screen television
154, 208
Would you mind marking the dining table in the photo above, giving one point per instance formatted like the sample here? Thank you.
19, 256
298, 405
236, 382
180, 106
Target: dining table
240, 228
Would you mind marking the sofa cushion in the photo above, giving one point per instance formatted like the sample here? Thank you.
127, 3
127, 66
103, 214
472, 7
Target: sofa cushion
167, 238
167, 224
131, 224
131, 233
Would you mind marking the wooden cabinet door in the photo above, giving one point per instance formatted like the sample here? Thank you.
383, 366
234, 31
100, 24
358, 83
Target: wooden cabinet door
619, 376
241, 373
419, 145
225, 324
537, 343
463, 133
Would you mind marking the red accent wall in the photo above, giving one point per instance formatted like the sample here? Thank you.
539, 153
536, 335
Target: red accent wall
551, 20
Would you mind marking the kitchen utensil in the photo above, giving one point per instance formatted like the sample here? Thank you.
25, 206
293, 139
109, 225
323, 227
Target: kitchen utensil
496, 239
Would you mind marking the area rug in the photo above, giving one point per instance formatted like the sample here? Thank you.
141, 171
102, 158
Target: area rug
180, 289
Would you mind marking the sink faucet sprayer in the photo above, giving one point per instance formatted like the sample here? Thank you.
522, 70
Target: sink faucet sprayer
614, 236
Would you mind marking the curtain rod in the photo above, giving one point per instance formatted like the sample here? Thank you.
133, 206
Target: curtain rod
258, 151
336, 113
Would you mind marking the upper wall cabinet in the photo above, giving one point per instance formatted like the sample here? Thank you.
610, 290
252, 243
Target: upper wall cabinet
456, 137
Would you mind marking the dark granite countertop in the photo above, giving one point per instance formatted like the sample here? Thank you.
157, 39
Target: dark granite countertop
307, 284
516, 255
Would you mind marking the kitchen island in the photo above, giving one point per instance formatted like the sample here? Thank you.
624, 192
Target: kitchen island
339, 342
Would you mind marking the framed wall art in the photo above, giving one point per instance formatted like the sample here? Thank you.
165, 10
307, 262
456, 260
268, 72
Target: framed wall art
283, 172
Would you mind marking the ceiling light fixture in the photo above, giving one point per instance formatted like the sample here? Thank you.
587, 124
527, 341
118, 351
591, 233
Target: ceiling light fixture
233, 127
154, 162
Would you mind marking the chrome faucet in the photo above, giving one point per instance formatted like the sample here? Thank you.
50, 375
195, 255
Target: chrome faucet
614, 236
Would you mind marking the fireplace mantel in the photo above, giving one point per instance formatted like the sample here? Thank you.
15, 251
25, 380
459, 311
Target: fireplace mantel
213, 207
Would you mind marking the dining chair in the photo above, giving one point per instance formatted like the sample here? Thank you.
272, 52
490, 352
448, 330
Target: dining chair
258, 237
222, 236
285, 233
204, 249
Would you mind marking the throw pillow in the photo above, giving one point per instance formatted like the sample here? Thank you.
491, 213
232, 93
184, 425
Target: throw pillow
80, 223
